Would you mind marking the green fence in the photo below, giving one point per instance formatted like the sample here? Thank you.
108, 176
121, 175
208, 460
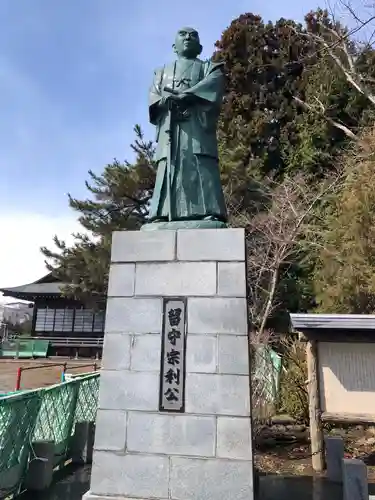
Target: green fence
47, 414
24, 348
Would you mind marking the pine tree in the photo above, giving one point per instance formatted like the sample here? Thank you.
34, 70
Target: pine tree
119, 200
121, 193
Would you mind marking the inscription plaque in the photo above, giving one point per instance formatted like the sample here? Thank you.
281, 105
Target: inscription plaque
173, 345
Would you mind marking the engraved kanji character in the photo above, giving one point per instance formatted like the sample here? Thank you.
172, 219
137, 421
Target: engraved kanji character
173, 357
174, 316
173, 335
173, 376
170, 394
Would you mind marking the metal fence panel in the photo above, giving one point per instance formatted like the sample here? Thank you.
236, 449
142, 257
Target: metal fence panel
47, 414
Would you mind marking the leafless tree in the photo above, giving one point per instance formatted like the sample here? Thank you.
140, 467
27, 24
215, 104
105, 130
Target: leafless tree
336, 43
276, 233
278, 228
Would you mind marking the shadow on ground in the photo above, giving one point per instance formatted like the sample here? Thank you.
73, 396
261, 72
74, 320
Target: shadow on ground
71, 484
272, 487
75, 483
277, 487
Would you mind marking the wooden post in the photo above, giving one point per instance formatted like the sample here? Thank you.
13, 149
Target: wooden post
316, 432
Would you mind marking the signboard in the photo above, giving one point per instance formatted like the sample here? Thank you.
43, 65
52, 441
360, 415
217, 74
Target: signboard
173, 346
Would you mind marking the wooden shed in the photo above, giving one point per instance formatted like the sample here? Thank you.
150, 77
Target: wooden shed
340, 351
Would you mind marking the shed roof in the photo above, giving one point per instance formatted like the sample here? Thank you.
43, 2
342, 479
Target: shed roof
302, 322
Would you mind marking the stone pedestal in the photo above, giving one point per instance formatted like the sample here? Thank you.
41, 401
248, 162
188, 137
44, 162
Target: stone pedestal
205, 451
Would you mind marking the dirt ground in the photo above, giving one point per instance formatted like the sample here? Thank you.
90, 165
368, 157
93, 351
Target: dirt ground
285, 449
42, 372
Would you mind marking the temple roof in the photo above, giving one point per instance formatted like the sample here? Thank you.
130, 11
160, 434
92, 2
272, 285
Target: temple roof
47, 286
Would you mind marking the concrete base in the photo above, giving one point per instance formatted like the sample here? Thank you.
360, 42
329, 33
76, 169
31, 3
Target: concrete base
206, 451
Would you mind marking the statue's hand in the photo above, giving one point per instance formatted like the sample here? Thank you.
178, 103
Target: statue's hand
167, 101
185, 99
178, 100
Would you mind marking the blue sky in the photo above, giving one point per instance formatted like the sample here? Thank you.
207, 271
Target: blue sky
74, 76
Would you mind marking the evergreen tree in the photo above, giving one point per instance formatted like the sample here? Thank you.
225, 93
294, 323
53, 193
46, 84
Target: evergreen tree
119, 200
121, 193
273, 70
345, 256
264, 70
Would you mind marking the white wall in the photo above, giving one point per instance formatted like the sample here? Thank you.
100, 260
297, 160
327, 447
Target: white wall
347, 377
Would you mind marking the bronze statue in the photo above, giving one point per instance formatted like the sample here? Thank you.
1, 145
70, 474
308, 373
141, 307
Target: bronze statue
184, 105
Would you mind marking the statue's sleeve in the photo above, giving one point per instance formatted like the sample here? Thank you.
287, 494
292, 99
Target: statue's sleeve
210, 89
155, 97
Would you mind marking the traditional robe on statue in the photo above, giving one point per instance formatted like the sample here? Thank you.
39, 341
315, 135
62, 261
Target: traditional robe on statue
196, 191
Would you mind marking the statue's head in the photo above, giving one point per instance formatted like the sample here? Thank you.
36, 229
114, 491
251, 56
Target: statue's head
187, 43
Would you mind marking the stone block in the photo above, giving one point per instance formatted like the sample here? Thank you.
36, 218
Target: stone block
129, 390
354, 476
231, 279
121, 280
145, 353
139, 476
334, 455
211, 244
217, 315
133, 315
214, 394
201, 354
110, 432
171, 434
234, 438
176, 279
116, 351
139, 246
233, 354
198, 479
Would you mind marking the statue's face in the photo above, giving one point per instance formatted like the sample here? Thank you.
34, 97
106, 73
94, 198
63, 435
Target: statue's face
187, 43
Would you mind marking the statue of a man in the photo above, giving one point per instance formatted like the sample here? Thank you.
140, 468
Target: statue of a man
184, 105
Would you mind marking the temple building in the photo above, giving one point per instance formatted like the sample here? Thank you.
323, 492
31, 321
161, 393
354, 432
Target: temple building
55, 315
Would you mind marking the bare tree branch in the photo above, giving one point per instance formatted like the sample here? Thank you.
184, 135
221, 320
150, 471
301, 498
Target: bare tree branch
337, 45
276, 234
322, 112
